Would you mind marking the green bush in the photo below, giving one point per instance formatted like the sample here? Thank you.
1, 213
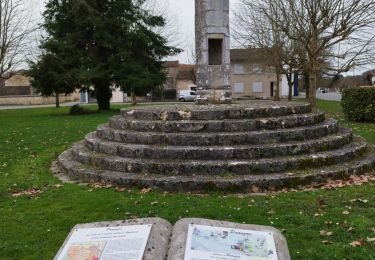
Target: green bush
359, 104
77, 110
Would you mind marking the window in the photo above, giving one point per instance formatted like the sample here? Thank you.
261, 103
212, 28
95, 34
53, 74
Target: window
215, 51
257, 87
239, 88
238, 69
192, 93
257, 68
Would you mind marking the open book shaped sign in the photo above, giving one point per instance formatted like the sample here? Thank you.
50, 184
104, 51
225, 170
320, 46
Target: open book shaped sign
189, 239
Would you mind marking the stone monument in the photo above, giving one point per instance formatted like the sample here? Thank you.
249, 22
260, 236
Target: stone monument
246, 146
213, 51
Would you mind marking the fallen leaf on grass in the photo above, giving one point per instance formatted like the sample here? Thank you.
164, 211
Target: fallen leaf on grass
154, 202
100, 185
325, 233
328, 223
32, 193
118, 189
254, 189
335, 184
359, 200
350, 229
345, 212
321, 202
326, 242
146, 190
345, 224
356, 243
371, 239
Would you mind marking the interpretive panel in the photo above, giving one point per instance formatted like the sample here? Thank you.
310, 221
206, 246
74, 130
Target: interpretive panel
107, 243
219, 243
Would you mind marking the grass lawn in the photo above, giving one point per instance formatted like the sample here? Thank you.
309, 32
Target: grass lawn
34, 228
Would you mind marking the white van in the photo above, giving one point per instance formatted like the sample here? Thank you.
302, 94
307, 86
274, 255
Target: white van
186, 95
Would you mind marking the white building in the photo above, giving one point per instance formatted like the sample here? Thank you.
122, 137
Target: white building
285, 87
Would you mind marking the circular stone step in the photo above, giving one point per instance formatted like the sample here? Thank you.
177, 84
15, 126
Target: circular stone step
218, 138
240, 110
217, 167
78, 171
232, 125
330, 142
266, 144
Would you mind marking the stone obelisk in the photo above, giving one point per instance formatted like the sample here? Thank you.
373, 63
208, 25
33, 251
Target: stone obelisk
213, 51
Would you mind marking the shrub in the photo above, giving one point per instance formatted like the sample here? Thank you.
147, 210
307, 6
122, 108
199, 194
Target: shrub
78, 110
359, 104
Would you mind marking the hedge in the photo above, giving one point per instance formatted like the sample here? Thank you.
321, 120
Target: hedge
359, 104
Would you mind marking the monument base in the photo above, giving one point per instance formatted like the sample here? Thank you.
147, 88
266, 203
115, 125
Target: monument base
214, 96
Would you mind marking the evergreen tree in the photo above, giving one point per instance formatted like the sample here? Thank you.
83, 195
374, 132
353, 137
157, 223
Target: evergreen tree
49, 77
107, 43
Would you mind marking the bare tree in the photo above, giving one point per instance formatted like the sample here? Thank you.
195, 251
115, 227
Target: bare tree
171, 28
189, 47
252, 28
336, 34
16, 29
333, 35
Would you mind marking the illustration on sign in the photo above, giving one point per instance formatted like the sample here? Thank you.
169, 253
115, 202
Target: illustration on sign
106, 243
210, 243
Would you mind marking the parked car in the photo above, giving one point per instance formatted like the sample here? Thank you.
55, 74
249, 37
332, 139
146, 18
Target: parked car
186, 95
322, 90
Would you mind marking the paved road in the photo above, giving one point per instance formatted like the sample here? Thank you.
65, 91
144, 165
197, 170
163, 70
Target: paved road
332, 96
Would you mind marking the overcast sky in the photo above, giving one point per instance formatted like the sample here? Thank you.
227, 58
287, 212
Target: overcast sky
182, 15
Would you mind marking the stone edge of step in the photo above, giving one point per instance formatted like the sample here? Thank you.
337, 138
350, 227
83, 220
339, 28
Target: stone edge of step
270, 123
182, 113
67, 169
329, 126
334, 141
218, 167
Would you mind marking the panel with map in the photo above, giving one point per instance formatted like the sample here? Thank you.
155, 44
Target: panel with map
206, 242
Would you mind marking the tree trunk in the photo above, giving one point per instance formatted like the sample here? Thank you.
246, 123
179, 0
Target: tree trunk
103, 95
57, 98
290, 91
306, 84
277, 93
134, 98
312, 88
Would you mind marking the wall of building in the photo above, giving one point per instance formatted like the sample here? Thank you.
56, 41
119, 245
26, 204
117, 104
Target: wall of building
118, 96
254, 80
172, 73
18, 80
183, 85
35, 100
